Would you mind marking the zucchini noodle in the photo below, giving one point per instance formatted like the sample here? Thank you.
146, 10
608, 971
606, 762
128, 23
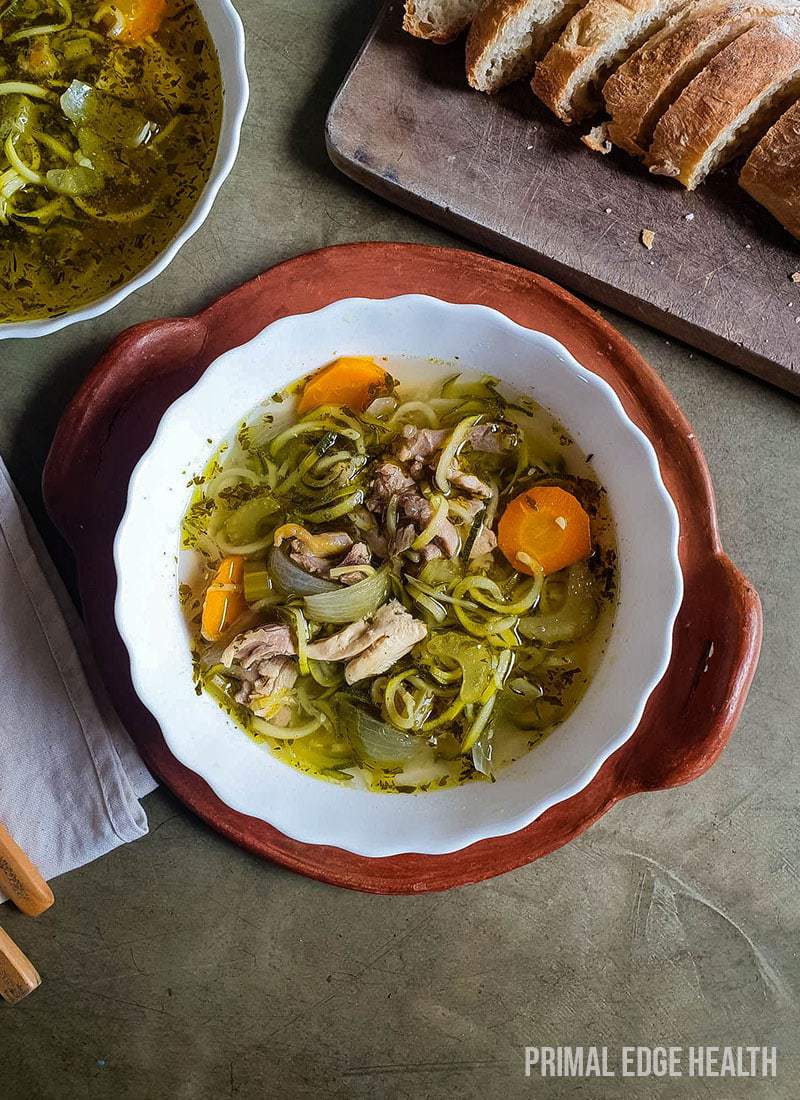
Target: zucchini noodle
51, 28
429, 533
403, 412
301, 637
19, 165
53, 144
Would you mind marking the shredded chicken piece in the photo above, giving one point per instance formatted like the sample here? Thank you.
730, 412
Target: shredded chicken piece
401, 540
312, 563
471, 506
345, 643
358, 554
372, 646
389, 481
355, 554
416, 445
469, 483
268, 678
483, 544
493, 438
415, 508
377, 543
260, 644
430, 552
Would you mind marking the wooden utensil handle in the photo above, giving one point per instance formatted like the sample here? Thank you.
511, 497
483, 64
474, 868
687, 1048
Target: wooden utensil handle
18, 975
20, 880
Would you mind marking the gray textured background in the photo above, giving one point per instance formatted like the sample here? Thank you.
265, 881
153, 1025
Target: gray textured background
182, 967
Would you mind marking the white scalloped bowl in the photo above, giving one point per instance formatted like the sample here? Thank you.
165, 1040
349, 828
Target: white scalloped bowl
247, 776
227, 33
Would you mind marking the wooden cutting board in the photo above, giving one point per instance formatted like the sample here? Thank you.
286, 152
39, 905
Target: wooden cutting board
503, 172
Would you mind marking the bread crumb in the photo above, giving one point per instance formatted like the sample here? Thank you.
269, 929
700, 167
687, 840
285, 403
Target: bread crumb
562, 523
648, 236
795, 276
597, 140
608, 210
688, 217
529, 147
748, 247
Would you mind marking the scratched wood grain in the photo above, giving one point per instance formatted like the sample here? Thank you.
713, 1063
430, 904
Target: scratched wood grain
505, 173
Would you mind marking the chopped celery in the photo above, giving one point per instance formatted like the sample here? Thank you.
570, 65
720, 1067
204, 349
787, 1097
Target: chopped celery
77, 48
247, 524
257, 584
74, 181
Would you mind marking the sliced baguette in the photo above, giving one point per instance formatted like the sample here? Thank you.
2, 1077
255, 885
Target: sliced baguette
642, 89
439, 20
730, 103
772, 171
596, 40
508, 36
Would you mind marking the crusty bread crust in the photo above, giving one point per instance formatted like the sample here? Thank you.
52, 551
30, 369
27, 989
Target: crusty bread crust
496, 23
642, 89
486, 32
598, 37
772, 171
415, 24
709, 118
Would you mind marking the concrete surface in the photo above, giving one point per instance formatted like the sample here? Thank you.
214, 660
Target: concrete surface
182, 967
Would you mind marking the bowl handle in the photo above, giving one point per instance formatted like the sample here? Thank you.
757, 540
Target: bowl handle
140, 375
694, 709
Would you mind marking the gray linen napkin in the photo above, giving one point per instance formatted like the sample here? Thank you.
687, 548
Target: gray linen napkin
70, 776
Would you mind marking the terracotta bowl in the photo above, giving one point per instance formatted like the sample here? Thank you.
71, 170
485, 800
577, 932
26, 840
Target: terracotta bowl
716, 639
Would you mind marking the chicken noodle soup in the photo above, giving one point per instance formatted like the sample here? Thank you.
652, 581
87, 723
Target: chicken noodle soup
397, 583
109, 120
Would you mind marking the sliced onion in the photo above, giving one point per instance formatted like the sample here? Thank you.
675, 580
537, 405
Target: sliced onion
294, 581
374, 741
482, 753
348, 605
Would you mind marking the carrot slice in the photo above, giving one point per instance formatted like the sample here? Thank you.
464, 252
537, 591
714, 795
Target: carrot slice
224, 601
546, 525
137, 19
353, 381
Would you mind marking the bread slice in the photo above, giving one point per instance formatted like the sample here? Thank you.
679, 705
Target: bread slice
642, 89
772, 171
508, 36
439, 20
739, 93
596, 40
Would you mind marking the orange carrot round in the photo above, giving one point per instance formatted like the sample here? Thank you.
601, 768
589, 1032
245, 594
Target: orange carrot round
224, 601
545, 525
139, 18
353, 381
